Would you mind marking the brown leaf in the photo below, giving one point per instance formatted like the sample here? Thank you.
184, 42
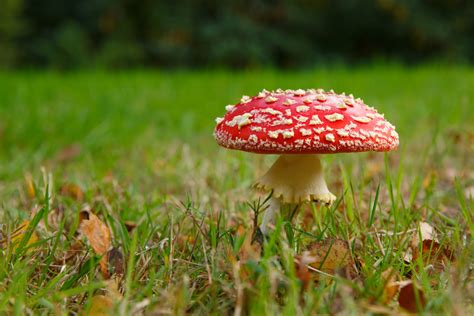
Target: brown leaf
412, 298
18, 234
68, 153
76, 248
55, 217
391, 286
469, 192
72, 190
424, 232
436, 255
332, 255
302, 271
30, 186
98, 235
429, 249
130, 226
184, 241
100, 305
250, 250
116, 262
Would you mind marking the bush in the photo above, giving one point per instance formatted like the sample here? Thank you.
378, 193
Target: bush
237, 34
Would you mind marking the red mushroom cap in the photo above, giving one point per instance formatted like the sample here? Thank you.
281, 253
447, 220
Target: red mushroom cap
304, 122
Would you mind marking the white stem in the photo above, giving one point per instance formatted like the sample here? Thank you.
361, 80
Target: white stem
269, 217
296, 179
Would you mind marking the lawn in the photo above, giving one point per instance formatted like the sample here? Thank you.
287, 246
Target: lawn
136, 149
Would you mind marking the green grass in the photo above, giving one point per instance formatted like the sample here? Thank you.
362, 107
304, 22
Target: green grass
140, 145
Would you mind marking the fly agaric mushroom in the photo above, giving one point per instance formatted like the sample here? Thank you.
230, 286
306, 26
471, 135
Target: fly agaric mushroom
299, 125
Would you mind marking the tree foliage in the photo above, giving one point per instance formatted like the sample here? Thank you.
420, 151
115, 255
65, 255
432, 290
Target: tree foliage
245, 33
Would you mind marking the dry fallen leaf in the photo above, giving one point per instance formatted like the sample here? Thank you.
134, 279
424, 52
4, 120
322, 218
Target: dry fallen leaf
18, 234
75, 249
391, 286
330, 256
184, 241
302, 271
426, 232
429, 249
250, 250
68, 153
30, 186
55, 217
72, 190
412, 298
130, 226
469, 192
100, 305
115, 262
436, 255
98, 235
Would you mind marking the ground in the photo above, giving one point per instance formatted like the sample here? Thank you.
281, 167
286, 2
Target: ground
115, 197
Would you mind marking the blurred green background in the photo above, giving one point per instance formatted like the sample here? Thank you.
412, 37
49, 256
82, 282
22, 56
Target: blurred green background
232, 34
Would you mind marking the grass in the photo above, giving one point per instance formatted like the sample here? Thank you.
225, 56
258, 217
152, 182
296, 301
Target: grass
139, 146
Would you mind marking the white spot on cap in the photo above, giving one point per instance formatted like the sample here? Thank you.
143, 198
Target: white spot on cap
315, 120
362, 119
322, 107
308, 100
301, 118
334, 117
330, 138
342, 132
261, 95
341, 105
349, 102
305, 132
240, 120
288, 134
273, 134
284, 121
289, 102
256, 128
271, 111
230, 107
350, 126
319, 130
299, 92
245, 99
219, 120
271, 99
253, 139
288, 112
321, 97
302, 108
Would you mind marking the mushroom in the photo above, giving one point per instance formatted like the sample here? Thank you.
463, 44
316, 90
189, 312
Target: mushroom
299, 125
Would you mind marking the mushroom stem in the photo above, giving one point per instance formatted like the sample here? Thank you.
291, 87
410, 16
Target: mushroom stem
293, 179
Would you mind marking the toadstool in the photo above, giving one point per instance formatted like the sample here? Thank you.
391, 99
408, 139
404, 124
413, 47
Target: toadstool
299, 125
